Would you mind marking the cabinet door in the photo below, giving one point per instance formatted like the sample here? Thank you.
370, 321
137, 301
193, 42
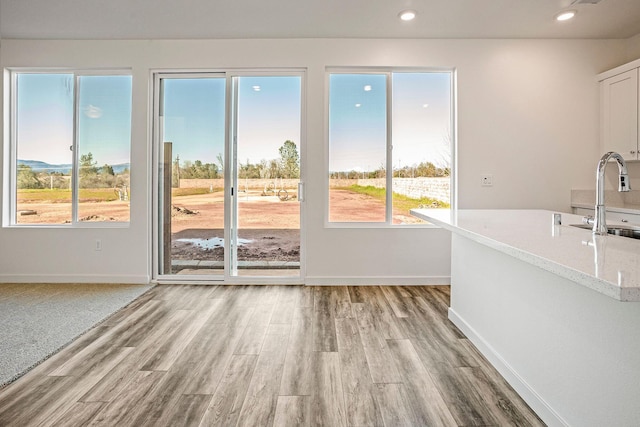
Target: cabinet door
632, 219
619, 97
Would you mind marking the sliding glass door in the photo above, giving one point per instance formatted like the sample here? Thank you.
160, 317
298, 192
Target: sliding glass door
228, 173
191, 180
267, 175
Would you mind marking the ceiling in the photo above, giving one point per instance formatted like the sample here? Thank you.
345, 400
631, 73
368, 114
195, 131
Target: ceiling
208, 19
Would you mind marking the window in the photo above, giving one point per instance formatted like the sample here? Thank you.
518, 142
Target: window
71, 140
389, 145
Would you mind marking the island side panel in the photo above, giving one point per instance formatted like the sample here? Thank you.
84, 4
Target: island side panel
572, 353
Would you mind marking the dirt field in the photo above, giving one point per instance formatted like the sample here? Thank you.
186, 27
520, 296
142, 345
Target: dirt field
348, 206
60, 213
269, 228
255, 245
255, 211
271, 225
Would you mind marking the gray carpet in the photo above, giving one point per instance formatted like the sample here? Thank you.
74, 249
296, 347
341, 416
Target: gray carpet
37, 320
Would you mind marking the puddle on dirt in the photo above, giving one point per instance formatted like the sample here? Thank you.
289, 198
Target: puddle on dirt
212, 243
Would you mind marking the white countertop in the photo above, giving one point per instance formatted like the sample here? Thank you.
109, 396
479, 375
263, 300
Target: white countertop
607, 264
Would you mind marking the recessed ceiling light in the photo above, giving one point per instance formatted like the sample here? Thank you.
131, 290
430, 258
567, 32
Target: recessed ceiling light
425, 105
367, 88
358, 105
256, 88
407, 15
565, 15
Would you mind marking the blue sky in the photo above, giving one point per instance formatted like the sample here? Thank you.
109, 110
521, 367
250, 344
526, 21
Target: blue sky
268, 115
421, 116
105, 118
194, 117
357, 121
45, 118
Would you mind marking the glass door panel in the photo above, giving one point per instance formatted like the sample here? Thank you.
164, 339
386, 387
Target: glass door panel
266, 209
191, 175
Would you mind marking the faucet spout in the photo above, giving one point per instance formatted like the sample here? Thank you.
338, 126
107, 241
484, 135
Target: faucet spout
600, 222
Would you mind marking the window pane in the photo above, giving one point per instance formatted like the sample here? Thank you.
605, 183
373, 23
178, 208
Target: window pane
104, 142
421, 116
357, 147
43, 135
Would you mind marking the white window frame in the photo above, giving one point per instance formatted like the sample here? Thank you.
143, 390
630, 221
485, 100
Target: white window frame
389, 71
10, 198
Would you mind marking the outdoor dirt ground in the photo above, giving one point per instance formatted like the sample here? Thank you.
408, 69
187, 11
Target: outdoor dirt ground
269, 212
264, 245
272, 225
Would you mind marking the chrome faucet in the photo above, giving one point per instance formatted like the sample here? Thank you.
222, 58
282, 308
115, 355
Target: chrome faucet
600, 221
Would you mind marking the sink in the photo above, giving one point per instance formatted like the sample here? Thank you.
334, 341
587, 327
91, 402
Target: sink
616, 230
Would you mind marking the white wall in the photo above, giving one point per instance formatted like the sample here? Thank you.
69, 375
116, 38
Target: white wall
527, 111
633, 48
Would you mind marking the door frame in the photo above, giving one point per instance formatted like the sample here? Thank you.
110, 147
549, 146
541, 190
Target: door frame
229, 180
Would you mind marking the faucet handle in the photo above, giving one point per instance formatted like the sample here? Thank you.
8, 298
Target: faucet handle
587, 220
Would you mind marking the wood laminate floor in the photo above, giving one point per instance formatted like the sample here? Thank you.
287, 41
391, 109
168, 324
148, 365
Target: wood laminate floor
270, 355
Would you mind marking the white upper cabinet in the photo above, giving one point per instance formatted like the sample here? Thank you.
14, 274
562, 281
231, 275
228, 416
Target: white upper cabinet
620, 116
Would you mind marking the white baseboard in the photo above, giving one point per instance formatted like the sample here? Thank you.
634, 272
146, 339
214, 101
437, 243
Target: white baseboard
377, 280
533, 399
72, 278
309, 280
248, 280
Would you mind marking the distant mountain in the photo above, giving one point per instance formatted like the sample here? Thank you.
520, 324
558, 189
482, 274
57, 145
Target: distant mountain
38, 166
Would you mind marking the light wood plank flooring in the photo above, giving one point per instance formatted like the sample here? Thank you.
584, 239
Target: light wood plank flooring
270, 355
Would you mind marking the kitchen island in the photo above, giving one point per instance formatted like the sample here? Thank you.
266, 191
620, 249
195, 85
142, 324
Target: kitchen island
554, 308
